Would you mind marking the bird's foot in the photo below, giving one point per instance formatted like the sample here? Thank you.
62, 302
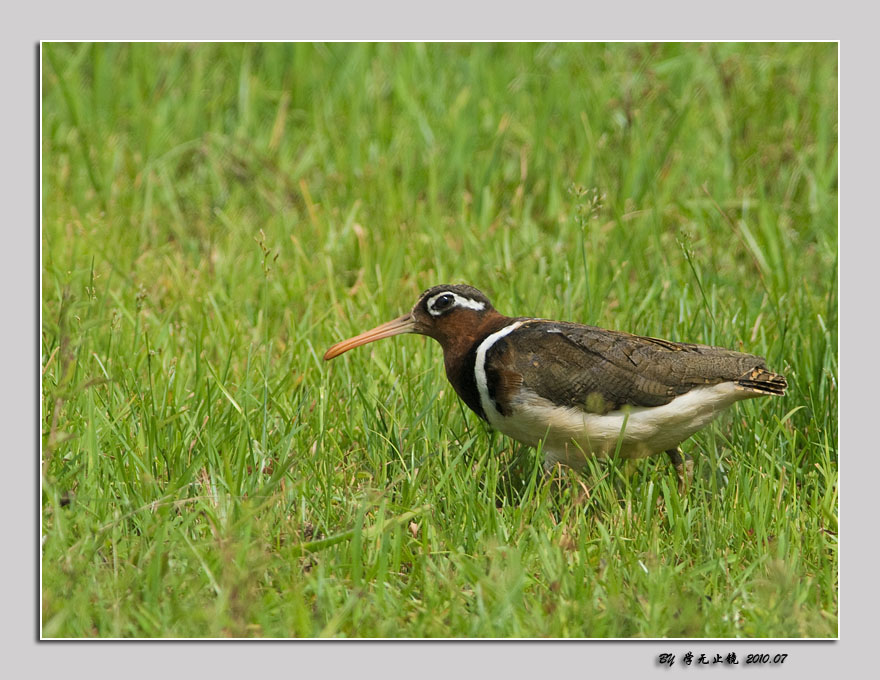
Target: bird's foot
684, 468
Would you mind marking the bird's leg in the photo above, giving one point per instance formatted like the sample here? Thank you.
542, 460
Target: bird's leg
684, 467
557, 463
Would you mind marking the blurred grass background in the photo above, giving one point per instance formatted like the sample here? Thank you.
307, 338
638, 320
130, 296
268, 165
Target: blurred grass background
216, 215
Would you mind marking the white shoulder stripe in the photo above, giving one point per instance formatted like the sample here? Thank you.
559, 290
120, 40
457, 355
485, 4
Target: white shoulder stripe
489, 409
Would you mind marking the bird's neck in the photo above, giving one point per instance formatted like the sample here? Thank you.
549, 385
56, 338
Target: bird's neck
459, 356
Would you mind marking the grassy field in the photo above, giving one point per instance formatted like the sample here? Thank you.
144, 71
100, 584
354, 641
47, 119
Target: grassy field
215, 216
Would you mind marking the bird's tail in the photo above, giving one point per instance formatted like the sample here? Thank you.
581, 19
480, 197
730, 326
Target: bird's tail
762, 381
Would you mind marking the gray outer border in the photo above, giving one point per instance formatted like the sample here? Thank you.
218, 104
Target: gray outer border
25, 26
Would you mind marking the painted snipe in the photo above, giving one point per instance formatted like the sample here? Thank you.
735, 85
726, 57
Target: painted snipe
577, 390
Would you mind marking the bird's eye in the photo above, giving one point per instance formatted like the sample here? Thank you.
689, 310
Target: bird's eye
440, 303
443, 302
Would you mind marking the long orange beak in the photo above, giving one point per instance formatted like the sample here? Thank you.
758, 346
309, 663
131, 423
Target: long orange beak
403, 324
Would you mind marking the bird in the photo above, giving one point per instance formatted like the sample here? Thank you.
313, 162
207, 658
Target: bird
575, 390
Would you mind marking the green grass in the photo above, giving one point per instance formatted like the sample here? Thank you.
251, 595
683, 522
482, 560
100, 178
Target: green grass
215, 216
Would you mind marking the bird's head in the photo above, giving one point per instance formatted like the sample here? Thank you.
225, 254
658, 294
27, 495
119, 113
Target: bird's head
447, 313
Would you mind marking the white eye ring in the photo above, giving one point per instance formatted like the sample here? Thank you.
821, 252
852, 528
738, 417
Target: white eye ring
457, 301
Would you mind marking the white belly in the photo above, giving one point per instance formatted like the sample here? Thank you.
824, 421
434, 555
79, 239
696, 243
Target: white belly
569, 435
